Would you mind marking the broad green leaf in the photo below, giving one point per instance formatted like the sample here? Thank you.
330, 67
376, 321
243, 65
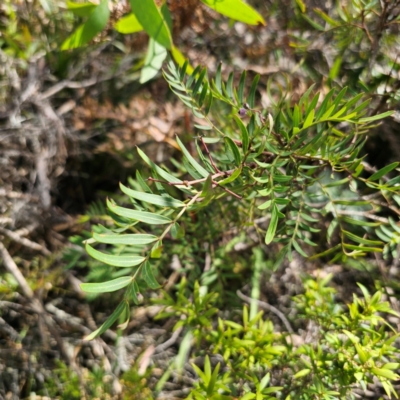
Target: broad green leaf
152, 20
81, 9
236, 9
166, 15
244, 134
85, 33
382, 172
148, 276
128, 24
109, 286
234, 149
155, 57
203, 172
142, 216
116, 261
272, 225
134, 239
162, 201
110, 320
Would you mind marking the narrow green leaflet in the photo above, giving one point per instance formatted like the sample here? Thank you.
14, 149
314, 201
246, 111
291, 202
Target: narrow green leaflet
203, 172
81, 9
142, 216
85, 33
180, 60
272, 225
361, 240
164, 174
147, 275
234, 149
235, 174
116, 261
150, 17
110, 320
309, 120
109, 286
156, 54
241, 87
244, 133
162, 201
128, 239
128, 24
376, 117
236, 9
251, 99
382, 172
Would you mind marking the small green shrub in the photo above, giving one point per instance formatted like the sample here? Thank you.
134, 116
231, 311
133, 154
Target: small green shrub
289, 176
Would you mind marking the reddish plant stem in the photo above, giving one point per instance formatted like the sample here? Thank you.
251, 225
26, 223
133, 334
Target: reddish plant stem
209, 156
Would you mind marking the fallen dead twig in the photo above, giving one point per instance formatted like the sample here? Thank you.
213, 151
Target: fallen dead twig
16, 273
25, 242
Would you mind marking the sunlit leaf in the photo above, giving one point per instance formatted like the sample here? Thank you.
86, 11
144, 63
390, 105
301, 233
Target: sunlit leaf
128, 24
156, 54
85, 33
236, 9
152, 20
81, 9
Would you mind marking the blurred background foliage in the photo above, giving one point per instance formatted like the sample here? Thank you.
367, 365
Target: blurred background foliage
69, 124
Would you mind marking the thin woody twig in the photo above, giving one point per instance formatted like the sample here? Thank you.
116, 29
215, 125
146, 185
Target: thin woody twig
209, 155
16, 273
190, 183
25, 242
